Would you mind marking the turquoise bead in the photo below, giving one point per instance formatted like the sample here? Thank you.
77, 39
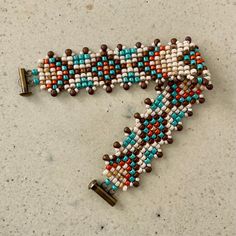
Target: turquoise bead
132, 135
132, 156
132, 172
131, 179
60, 82
36, 81
107, 181
114, 187
34, 72
199, 66
199, 80
154, 150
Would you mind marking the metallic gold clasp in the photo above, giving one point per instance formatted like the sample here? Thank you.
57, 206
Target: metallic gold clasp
102, 193
23, 82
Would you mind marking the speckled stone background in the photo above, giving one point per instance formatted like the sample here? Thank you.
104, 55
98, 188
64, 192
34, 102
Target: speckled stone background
50, 148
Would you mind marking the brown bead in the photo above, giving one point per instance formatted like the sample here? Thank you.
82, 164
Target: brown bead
104, 47
170, 140
151, 48
136, 167
108, 89
129, 153
136, 175
145, 53
90, 91
156, 41
151, 141
160, 154
116, 145
142, 143
72, 92
173, 40
54, 93
136, 183
148, 169
142, 135
103, 53
107, 82
68, 52
190, 113
136, 152
138, 45
209, 86
179, 127
201, 100
142, 127
188, 38
50, 54
137, 115
148, 101
164, 122
98, 59
143, 85
58, 59
85, 50
127, 130
126, 86
106, 157
119, 46
180, 58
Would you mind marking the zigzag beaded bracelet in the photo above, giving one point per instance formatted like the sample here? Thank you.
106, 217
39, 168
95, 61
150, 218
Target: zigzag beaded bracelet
181, 76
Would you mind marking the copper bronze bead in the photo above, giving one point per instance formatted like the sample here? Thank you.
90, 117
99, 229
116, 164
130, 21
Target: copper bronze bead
104, 47
106, 157
170, 140
201, 100
50, 54
85, 50
68, 52
188, 38
137, 115
190, 113
209, 86
148, 169
148, 101
108, 89
179, 127
126, 86
138, 45
159, 154
90, 91
173, 40
156, 41
119, 46
135, 183
72, 92
116, 144
127, 130
143, 85
54, 93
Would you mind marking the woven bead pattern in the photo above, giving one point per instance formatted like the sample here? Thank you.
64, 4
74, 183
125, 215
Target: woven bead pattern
181, 76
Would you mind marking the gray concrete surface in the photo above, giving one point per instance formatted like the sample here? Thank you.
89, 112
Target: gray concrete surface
51, 148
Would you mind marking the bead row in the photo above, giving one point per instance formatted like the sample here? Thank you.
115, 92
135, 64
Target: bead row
125, 66
163, 115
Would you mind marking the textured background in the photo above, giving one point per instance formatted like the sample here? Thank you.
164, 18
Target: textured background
51, 148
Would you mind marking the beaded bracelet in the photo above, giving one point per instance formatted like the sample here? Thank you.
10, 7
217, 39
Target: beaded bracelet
181, 76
